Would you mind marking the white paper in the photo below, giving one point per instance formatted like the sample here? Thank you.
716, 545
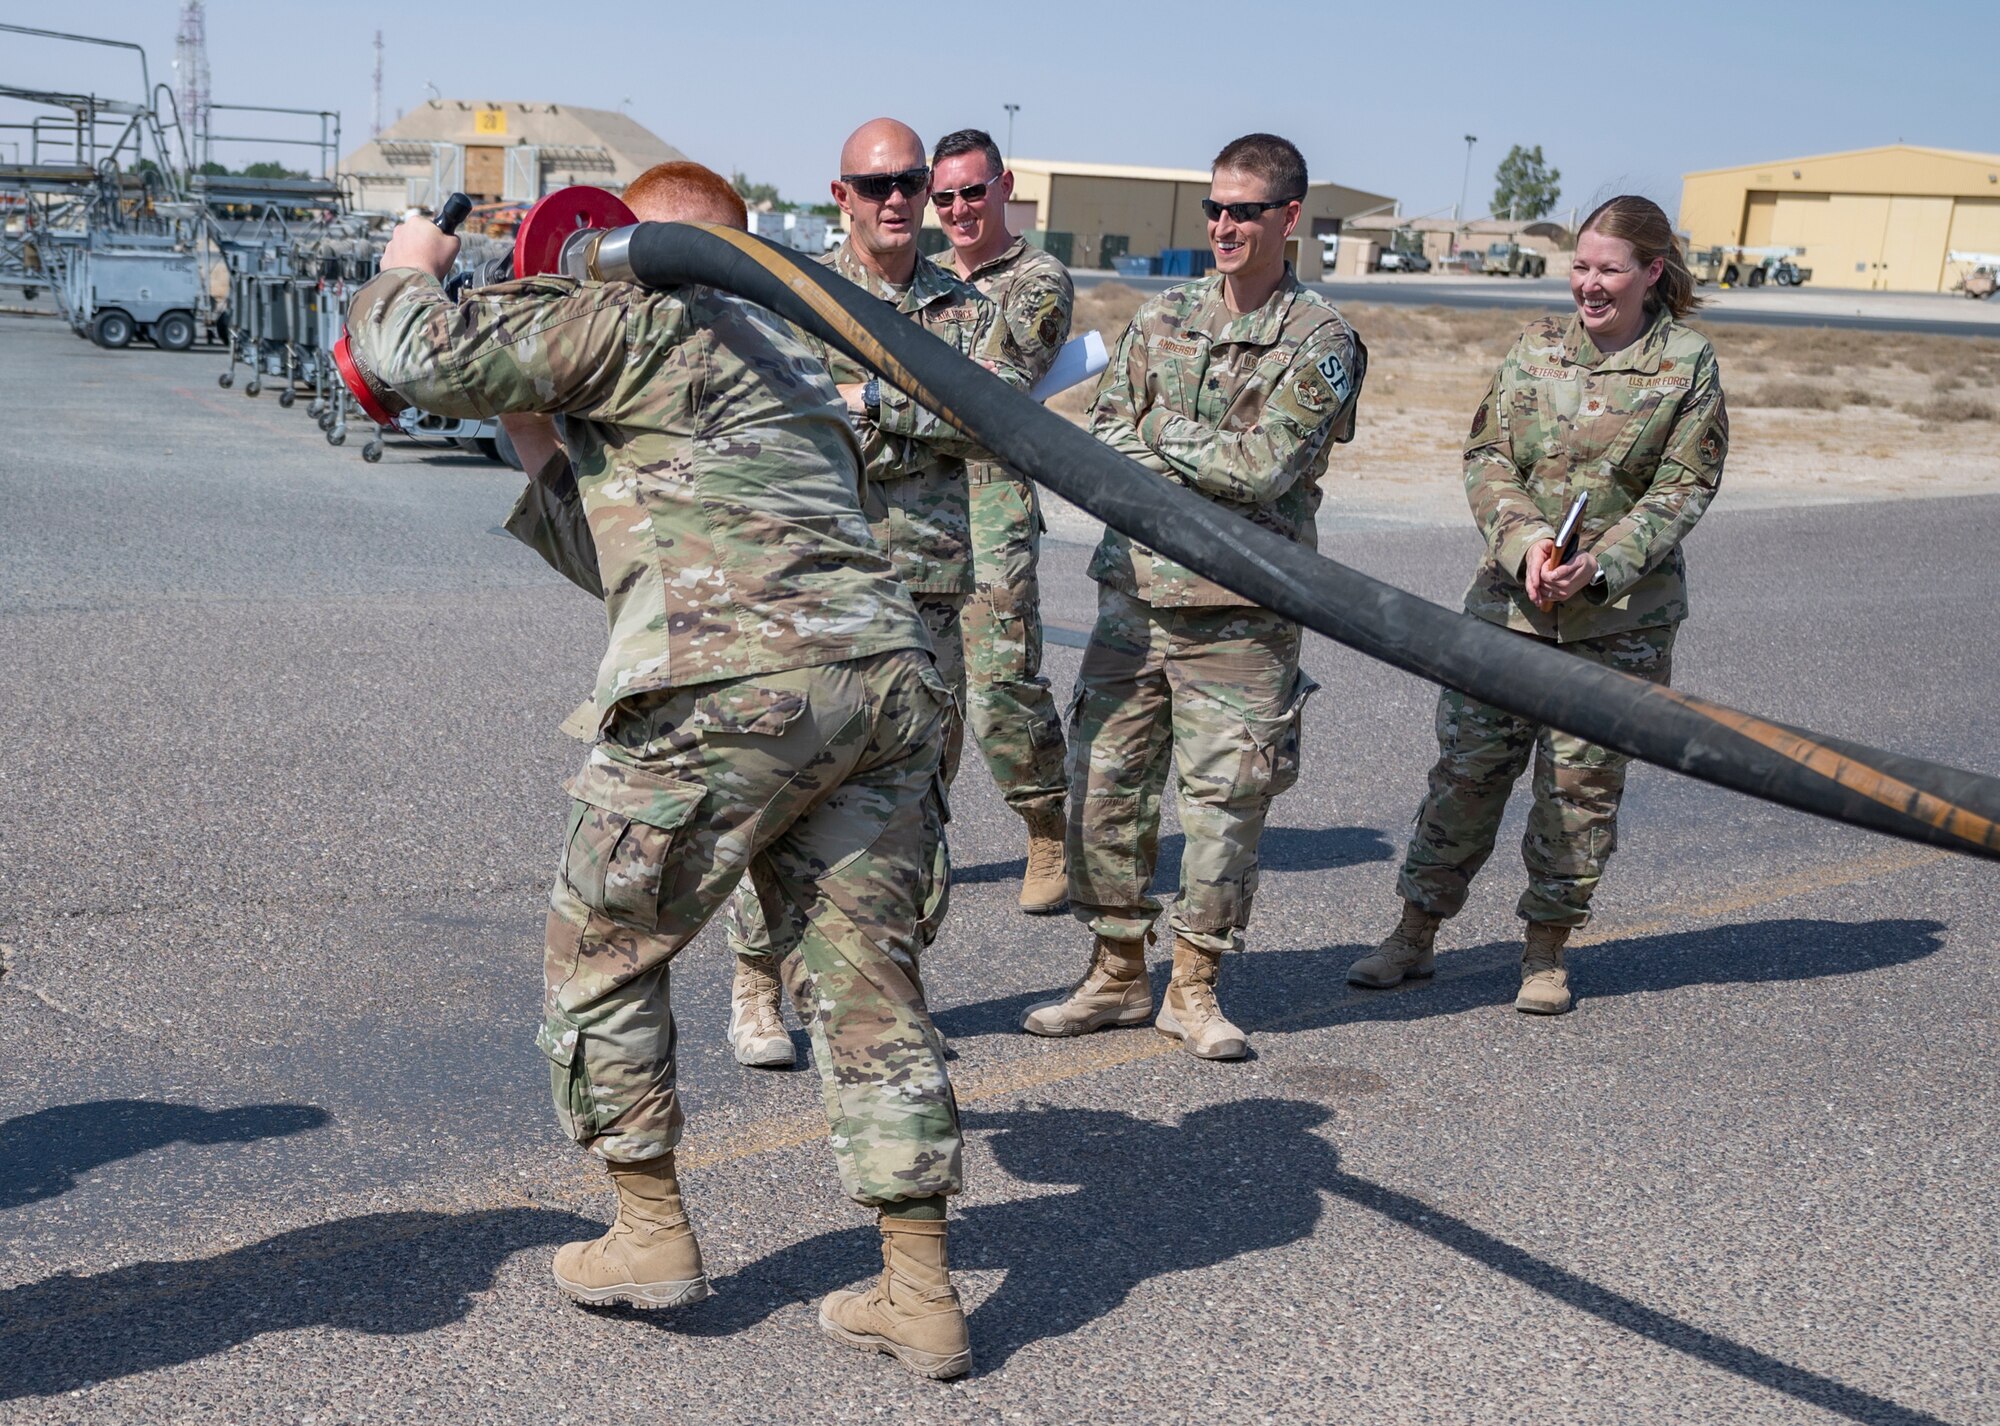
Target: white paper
1080, 359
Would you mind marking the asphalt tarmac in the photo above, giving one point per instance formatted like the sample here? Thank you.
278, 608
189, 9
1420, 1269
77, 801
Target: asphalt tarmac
282, 793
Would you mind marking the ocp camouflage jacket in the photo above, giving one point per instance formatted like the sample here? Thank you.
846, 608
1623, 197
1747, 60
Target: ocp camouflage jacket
913, 460
1036, 298
713, 458
1241, 409
1643, 430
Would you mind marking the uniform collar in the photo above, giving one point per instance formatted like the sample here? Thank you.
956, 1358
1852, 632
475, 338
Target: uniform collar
929, 283
1642, 356
1260, 328
1005, 257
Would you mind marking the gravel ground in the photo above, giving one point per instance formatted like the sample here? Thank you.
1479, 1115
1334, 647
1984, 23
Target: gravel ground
282, 789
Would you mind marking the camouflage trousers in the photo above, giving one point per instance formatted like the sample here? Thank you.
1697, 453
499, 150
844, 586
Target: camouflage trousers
1573, 825
758, 927
1221, 690
823, 784
1009, 705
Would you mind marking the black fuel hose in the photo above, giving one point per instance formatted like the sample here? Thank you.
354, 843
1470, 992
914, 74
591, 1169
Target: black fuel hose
1904, 797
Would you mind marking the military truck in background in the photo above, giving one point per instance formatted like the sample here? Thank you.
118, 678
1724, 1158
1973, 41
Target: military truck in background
1505, 259
1747, 267
1982, 276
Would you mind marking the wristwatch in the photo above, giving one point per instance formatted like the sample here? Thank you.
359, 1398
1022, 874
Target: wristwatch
871, 397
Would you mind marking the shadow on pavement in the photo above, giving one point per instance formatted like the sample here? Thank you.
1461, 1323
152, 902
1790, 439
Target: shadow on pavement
1266, 990
43, 1154
1276, 992
1146, 1199
1622, 1312
1283, 849
1142, 1201
382, 1273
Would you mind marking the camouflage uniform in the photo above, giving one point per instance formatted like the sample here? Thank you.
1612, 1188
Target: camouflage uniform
1009, 704
766, 700
1644, 432
913, 493
1243, 410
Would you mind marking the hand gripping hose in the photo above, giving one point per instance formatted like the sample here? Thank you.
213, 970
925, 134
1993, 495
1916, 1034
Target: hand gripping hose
1846, 782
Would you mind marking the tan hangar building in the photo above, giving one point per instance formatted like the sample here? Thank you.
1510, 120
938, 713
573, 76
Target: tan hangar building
1148, 210
499, 151
1881, 220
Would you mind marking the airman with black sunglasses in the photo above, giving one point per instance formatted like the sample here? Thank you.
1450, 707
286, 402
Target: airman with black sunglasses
1236, 386
1010, 706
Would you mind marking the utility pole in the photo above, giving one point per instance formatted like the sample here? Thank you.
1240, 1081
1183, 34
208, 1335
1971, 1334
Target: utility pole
191, 59
1465, 182
1012, 110
376, 133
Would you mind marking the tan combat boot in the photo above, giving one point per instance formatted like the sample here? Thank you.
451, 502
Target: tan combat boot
1544, 981
1190, 1012
756, 1028
650, 1257
1114, 991
912, 1312
1045, 887
1405, 954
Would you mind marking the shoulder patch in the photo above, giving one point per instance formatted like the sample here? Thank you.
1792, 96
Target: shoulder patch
1334, 371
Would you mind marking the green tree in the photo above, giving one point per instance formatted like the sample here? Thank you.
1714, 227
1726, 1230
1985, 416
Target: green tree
756, 195
268, 169
1525, 186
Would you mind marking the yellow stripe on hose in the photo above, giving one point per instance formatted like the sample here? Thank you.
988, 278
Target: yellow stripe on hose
821, 301
1876, 786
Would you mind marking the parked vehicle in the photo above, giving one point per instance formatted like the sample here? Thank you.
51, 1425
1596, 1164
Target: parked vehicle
1979, 281
1404, 253
1512, 260
1747, 267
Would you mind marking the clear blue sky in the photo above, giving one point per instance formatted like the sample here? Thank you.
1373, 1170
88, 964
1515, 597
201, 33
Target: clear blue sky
1379, 96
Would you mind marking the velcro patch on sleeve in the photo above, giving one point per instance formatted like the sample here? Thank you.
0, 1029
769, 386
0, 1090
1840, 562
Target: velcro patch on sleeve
1334, 372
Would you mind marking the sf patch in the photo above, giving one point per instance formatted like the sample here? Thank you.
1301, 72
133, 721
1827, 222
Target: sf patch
1334, 371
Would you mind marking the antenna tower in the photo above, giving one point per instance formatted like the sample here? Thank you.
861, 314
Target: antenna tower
378, 86
191, 59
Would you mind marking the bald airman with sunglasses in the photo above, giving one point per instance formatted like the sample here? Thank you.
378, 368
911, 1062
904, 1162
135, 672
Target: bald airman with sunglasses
1236, 386
913, 494
1010, 706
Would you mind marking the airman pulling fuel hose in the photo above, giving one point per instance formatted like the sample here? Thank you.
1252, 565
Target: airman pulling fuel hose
1903, 797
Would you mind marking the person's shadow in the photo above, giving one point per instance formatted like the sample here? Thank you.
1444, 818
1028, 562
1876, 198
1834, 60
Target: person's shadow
1284, 991
1266, 990
44, 1153
1282, 849
1139, 1199
382, 1273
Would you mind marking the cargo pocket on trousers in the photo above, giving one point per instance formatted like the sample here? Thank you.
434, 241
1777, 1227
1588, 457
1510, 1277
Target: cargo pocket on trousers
1277, 739
622, 829
569, 1077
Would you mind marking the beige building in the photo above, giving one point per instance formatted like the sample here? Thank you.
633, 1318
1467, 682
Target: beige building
499, 150
1152, 209
1881, 220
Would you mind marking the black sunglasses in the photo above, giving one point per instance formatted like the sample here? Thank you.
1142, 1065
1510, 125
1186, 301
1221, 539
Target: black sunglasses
970, 192
1242, 212
876, 187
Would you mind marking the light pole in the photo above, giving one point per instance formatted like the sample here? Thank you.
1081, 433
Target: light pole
1012, 110
1465, 182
